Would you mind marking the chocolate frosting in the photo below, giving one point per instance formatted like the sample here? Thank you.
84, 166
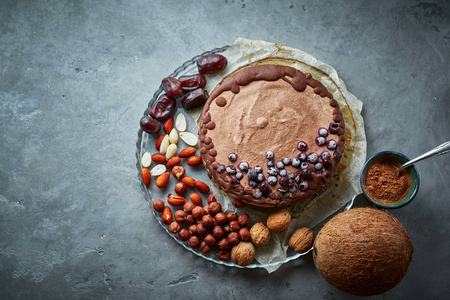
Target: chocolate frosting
269, 108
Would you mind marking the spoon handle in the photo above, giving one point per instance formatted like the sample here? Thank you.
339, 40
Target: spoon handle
441, 149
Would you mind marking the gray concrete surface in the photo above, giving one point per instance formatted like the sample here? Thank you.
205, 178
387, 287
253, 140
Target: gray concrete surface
76, 76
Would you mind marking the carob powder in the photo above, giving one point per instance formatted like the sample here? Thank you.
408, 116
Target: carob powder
384, 183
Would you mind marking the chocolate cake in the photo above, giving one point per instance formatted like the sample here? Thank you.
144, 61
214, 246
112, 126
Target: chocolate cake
271, 135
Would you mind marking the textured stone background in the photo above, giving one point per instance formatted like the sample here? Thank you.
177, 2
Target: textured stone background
76, 76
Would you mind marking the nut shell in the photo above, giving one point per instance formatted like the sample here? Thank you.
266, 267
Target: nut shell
243, 253
260, 234
302, 240
279, 221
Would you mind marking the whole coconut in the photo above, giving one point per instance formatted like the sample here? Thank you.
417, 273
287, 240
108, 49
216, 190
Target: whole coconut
363, 251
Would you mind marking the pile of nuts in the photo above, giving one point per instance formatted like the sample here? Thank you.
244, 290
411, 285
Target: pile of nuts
206, 228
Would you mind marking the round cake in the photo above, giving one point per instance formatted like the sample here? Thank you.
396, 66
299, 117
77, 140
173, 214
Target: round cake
271, 135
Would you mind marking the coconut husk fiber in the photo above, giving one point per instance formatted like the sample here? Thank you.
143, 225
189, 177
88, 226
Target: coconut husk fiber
363, 251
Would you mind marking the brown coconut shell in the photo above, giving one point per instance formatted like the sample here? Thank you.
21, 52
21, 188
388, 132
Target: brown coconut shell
363, 251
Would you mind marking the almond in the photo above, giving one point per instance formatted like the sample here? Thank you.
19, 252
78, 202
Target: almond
162, 180
189, 151
173, 136
201, 187
171, 151
146, 160
194, 161
189, 138
196, 199
175, 200
180, 189
166, 216
146, 176
173, 161
159, 158
180, 122
178, 172
158, 170
188, 181
164, 144
158, 141
168, 125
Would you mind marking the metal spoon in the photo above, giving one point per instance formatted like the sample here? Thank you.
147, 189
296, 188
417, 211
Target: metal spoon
441, 149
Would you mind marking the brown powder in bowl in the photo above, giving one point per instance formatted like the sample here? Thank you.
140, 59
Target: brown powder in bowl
384, 183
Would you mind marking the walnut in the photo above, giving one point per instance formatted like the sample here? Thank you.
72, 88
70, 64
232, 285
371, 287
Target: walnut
279, 221
260, 234
302, 240
243, 253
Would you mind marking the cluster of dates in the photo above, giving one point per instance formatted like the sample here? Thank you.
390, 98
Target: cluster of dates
207, 227
188, 88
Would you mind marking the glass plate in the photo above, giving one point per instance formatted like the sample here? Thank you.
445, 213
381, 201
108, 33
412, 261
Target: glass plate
146, 142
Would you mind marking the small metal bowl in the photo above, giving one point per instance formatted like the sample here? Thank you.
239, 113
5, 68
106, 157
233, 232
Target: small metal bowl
412, 171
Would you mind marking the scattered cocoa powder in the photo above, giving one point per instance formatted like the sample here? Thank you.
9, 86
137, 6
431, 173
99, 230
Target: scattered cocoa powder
384, 183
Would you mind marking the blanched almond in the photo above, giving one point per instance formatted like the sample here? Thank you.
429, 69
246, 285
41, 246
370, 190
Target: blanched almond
158, 170
180, 122
189, 138
146, 159
164, 144
171, 151
173, 136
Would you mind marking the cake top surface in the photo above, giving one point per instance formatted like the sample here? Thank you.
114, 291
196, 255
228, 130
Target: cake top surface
278, 122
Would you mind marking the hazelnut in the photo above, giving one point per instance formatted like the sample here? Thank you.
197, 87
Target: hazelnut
180, 189
244, 234
238, 204
221, 218
158, 205
194, 242
178, 172
218, 232
211, 198
233, 238
207, 220
244, 220
279, 221
201, 230
205, 248
234, 226
302, 240
224, 244
232, 216
180, 216
193, 229
188, 207
259, 234
226, 229
174, 227
190, 219
197, 212
206, 209
243, 254
224, 255
210, 240
214, 208
183, 234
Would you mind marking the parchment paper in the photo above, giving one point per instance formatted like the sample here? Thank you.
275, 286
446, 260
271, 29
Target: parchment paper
343, 186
